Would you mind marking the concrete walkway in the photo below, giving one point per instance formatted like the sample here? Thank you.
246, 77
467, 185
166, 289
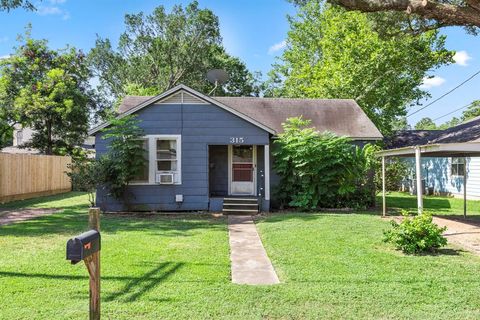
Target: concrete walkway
250, 263
11, 216
463, 234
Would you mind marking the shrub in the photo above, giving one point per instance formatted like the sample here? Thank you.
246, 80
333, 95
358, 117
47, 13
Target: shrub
395, 171
416, 234
321, 170
86, 175
124, 159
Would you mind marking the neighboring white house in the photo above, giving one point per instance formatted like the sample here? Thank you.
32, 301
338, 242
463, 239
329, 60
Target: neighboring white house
443, 175
23, 135
20, 136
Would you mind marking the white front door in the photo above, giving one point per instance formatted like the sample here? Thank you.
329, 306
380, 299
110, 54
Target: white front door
242, 169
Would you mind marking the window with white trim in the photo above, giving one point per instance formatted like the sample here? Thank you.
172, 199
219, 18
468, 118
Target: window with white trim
163, 153
458, 167
166, 155
167, 159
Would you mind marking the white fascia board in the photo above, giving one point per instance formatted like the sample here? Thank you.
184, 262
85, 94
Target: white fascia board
444, 147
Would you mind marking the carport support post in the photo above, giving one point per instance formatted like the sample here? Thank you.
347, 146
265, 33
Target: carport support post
384, 201
465, 187
93, 267
418, 174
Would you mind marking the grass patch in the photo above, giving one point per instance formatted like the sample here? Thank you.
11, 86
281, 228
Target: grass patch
67, 200
435, 205
332, 266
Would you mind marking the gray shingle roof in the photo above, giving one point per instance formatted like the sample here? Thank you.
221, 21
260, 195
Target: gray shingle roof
341, 116
468, 131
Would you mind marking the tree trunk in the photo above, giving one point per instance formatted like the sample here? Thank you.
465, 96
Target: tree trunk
446, 14
49, 149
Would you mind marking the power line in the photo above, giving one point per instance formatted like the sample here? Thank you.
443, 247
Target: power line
445, 94
446, 114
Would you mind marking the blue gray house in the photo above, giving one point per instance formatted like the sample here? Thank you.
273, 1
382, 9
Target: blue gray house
214, 153
444, 174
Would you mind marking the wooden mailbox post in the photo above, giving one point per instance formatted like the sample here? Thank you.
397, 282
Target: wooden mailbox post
86, 247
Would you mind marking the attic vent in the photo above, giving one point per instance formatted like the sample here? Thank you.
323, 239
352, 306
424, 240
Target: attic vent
176, 98
182, 97
189, 99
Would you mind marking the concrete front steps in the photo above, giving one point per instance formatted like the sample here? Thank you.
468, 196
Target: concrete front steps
240, 205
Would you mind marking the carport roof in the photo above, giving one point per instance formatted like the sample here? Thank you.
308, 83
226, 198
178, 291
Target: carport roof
462, 140
462, 149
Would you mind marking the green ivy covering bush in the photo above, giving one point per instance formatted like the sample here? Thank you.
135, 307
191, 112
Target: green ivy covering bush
322, 170
416, 235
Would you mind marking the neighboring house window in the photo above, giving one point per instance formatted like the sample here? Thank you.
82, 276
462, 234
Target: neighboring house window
163, 154
142, 176
19, 137
458, 166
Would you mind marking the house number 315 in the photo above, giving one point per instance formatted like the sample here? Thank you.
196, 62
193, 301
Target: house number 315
237, 139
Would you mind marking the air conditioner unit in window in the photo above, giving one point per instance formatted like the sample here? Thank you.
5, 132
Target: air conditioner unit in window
165, 178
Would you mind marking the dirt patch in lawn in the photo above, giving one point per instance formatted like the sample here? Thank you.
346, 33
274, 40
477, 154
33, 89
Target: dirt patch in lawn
8, 216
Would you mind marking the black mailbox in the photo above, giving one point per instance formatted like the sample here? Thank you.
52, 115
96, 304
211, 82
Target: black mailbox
83, 246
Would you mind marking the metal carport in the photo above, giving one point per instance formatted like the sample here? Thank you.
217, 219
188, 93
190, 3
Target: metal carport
463, 149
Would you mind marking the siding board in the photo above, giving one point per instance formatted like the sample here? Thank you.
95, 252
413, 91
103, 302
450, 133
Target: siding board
199, 126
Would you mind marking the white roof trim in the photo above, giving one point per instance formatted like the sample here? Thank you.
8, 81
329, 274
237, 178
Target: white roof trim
192, 92
465, 147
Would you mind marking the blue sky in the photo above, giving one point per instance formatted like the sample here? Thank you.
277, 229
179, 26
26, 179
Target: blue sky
252, 30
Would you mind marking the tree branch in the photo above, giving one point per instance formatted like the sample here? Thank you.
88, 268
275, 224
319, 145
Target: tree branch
446, 14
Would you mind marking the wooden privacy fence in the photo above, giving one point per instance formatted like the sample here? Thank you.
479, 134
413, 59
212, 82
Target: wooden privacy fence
24, 176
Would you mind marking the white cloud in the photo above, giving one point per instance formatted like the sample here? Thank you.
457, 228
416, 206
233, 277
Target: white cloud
435, 81
53, 10
5, 57
277, 47
45, 11
461, 58
57, 1
3, 39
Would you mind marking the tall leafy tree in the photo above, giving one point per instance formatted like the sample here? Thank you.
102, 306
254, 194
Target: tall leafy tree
425, 124
334, 53
7, 5
472, 111
48, 91
160, 50
451, 123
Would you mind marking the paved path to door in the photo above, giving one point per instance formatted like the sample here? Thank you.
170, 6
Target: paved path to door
250, 263
12, 216
464, 234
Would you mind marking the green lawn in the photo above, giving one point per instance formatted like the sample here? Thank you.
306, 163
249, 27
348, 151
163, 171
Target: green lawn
432, 204
332, 266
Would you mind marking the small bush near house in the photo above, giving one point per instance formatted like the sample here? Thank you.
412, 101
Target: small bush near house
322, 170
122, 163
416, 235
395, 171
124, 159
86, 174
